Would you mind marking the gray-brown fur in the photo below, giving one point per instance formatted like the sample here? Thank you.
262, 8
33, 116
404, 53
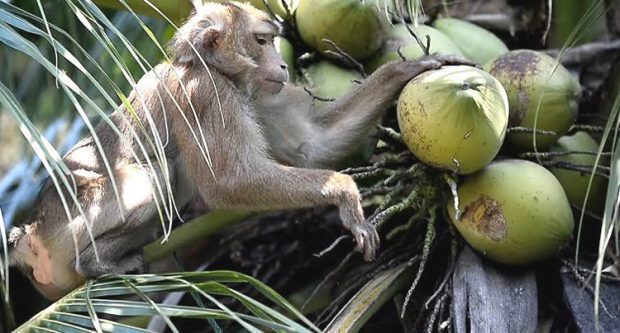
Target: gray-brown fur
265, 141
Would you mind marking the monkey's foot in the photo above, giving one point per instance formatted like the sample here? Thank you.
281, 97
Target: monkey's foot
366, 238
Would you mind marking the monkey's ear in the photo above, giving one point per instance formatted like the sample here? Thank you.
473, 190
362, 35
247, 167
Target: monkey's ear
212, 37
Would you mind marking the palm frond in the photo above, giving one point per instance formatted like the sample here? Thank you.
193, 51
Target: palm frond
107, 297
611, 221
369, 299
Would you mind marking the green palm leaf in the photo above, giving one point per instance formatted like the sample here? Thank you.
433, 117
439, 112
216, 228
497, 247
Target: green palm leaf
80, 310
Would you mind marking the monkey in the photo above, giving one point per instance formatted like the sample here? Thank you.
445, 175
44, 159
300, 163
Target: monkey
234, 135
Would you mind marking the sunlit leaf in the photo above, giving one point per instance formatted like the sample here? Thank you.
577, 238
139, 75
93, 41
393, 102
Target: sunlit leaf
66, 314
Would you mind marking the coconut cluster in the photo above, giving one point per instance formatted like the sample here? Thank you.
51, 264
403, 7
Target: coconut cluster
468, 121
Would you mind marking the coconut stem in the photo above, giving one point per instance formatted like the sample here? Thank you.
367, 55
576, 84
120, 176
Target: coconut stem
585, 283
380, 218
399, 174
271, 12
520, 129
554, 154
570, 266
585, 53
587, 128
374, 190
439, 306
426, 250
442, 285
372, 173
401, 228
601, 170
389, 197
588, 213
315, 97
455, 196
345, 58
425, 47
332, 246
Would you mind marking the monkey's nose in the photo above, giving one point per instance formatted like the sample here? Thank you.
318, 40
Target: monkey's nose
283, 66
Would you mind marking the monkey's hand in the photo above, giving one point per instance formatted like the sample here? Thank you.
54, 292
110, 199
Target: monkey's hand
408, 69
366, 238
364, 233
448, 59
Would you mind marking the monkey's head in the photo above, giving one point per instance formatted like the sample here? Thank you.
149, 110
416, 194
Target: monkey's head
50, 276
237, 40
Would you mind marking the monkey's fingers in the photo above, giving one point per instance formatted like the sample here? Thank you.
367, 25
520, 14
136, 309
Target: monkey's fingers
452, 59
358, 234
372, 244
367, 240
424, 65
415, 68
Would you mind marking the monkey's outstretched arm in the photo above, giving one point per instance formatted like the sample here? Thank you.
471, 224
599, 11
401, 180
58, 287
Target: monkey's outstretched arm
272, 186
348, 120
302, 136
246, 177
379, 90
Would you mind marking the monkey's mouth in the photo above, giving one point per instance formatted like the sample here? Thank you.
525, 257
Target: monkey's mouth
275, 81
274, 86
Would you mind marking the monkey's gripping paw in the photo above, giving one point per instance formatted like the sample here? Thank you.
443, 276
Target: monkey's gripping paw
366, 238
449, 59
413, 68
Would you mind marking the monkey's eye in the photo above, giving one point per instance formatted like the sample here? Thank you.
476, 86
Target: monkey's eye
262, 40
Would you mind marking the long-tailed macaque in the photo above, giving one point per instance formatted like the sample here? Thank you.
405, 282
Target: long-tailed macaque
234, 135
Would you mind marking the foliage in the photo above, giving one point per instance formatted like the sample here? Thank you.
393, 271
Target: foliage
112, 296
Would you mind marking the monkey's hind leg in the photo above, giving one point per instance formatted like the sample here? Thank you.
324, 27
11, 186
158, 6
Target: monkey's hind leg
119, 253
119, 238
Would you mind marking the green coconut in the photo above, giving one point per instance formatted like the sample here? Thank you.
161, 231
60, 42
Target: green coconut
400, 37
514, 212
575, 183
329, 80
286, 51
454, 118
354, 26
276, 7
531, 79
386, 7
476, 43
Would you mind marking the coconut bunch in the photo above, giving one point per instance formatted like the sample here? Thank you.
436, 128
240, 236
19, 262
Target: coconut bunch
456, 118
480, 125
519, 103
